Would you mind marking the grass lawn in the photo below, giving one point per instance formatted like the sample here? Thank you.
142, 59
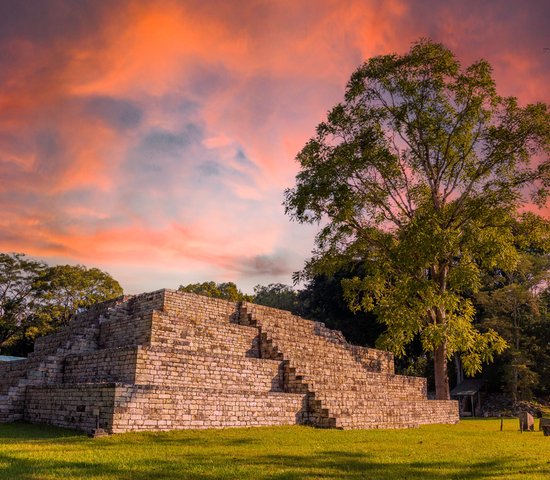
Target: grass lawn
474, 449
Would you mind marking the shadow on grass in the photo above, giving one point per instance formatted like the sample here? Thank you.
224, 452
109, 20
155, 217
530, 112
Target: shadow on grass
163, 438
26, 431
218, 457
326, 465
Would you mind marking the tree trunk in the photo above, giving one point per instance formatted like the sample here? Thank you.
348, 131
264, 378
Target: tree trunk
441, 377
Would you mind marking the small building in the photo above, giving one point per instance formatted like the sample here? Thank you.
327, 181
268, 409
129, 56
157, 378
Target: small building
7, 358
469, 396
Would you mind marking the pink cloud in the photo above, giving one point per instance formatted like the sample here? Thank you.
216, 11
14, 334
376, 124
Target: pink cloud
162, 134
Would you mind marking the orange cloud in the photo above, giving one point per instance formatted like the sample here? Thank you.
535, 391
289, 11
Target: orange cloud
163, 133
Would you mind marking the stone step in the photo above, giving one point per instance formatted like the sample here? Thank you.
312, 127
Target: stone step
384, 412
366, 387
162, 365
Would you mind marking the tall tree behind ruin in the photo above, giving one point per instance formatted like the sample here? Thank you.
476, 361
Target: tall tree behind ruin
420, 172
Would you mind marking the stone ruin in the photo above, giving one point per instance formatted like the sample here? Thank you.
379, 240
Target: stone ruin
171, 360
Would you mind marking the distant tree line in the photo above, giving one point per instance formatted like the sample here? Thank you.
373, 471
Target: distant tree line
37, 299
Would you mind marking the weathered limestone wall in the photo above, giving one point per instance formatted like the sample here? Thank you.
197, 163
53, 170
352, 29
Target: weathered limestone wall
103, 366
72, 406
198, 308
156, 366
212, 335
10, 373
163, 408
373, 359
130, 323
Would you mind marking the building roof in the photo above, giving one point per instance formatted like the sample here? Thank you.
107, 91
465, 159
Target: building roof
468, 387
7, 358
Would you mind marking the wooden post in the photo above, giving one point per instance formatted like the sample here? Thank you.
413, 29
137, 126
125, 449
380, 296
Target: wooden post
501, 422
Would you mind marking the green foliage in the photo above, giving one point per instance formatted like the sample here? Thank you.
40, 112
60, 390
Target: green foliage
226, 291
508, 310
65, 290
36, 299
322, 299
277, 295
415, 366
511, 304
538, 346
419, 173
18, 278
474, 449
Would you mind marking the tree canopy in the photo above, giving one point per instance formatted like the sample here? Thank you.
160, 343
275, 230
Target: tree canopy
36, 299
65, 290
420, 173
277, 295
18, 278
224, 290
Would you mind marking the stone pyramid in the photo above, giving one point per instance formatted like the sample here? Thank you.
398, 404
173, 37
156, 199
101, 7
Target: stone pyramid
171, 360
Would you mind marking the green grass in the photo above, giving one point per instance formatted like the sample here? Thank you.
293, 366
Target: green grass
473, 449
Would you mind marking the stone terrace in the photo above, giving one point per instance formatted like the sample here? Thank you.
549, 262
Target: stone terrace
171, 360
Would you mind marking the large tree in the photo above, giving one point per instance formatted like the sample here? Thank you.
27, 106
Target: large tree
65, 290
36, 299
419, 172
18, 279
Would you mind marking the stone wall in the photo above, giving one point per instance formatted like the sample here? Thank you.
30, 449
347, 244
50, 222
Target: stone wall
373, 359
151, 407
103, 366
11, 373
129, 323
80, 406
156, 366
198, 308
211, 335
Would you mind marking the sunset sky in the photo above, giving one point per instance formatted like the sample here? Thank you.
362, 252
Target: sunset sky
154, 139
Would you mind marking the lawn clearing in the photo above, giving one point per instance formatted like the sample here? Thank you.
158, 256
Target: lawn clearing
473, 449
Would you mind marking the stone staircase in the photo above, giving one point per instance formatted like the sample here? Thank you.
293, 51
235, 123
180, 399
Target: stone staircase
347, 386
